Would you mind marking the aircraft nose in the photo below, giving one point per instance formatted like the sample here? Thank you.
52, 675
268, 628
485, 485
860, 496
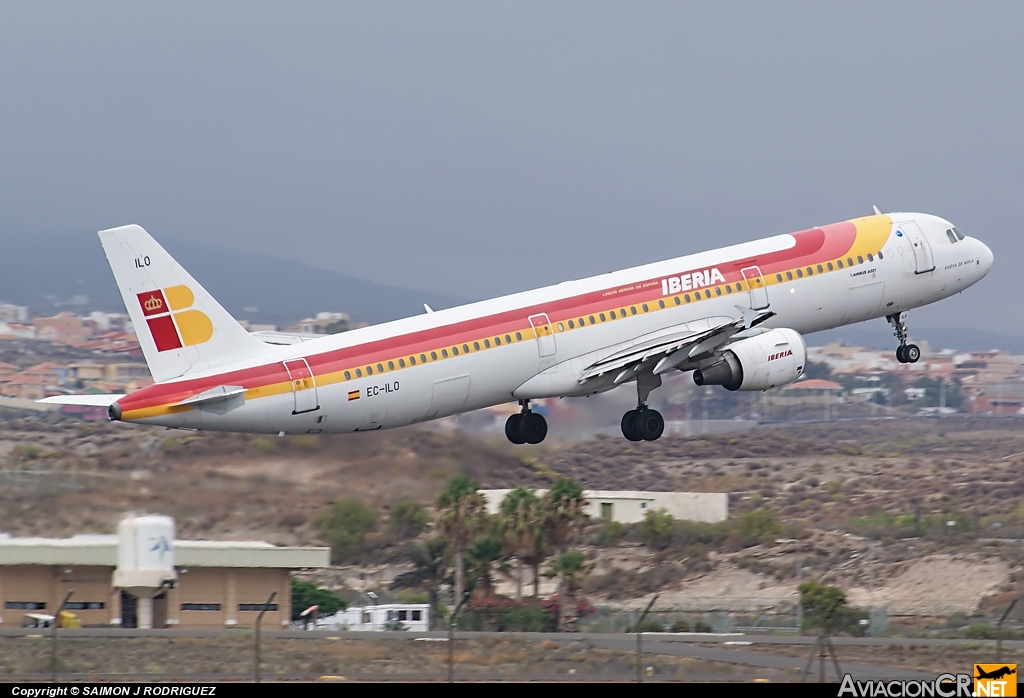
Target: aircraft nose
985, 256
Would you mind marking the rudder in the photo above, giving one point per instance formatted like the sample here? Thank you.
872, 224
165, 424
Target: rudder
181, 328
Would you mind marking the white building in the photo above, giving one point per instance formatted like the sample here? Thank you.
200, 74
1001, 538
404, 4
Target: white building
385, 616
632, 506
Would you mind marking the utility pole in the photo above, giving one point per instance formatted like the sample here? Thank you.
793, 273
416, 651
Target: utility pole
259, 620
639, 635
451, 637
999, 631
53, 630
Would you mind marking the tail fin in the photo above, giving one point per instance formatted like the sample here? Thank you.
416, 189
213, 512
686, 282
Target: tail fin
180, 327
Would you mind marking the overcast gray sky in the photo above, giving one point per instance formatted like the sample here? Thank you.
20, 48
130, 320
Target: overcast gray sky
476, 149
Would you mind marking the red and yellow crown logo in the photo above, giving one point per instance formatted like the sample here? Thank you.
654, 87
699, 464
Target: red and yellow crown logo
172, 323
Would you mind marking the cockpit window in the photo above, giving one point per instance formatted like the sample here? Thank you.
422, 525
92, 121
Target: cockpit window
951, 236
959, 235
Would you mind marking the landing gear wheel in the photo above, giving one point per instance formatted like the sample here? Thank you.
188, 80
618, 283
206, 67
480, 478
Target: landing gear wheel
533, 427
648, 424
911, 353
901, 355
513, 429
628, 428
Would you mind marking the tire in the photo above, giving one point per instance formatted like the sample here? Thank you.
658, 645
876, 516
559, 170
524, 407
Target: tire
627, 424
900, 356
649, 425
513, 429
533, 428
912, 353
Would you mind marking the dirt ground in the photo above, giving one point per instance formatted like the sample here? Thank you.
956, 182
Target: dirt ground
228, 658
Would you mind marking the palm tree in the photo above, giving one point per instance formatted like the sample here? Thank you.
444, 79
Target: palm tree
430, 569
563, 514
522, 528
572, 567
484, 558
461, 513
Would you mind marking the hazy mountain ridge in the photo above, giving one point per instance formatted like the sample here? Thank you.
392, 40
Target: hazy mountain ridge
47, 274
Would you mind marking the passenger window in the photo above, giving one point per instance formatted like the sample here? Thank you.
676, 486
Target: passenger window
423, 358
444, 353
591, 318
849, 261
739, 286
778, 277
860, 260
391, 365
476, 346
644, 306
799, 274
487, 344
572, 325
455, 351
465, 348
401, 363
380, 368
718, 290
519, 336
497, 341
632, 310
508, 338
676, 299
728, 288
686, 297
611, 314
820, 270
839, 263
661, 304
369, 370
810, 271
433, 356
830, 266
622, 312
359, 373
789, 276
880, 254
601, 317
707, 294
348, 376
871, 257
412, 360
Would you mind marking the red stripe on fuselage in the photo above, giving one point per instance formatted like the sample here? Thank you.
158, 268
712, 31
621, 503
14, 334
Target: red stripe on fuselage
811, 247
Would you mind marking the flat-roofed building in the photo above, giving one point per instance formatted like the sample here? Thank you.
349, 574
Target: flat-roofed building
219, 583
632, 506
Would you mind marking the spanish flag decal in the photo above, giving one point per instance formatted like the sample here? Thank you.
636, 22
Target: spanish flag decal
353, 395
171, 323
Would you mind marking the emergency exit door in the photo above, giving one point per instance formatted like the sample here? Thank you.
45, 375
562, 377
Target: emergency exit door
303, 386
545, 334
755, 284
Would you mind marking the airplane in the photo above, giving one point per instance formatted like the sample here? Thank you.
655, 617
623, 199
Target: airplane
735, 317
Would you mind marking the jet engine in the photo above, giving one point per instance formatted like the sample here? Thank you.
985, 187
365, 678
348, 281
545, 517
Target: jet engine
767, 360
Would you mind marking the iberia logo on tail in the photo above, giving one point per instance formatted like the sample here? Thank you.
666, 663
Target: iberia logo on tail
172, 322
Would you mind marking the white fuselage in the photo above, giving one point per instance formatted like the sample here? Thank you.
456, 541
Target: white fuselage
549, 356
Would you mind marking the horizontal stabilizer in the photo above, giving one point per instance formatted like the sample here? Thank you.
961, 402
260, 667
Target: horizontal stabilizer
87, 400
221, 392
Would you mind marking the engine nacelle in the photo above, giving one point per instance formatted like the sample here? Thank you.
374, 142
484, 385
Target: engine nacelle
766, 361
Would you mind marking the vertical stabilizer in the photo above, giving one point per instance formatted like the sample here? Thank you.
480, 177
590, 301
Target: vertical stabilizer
180, 327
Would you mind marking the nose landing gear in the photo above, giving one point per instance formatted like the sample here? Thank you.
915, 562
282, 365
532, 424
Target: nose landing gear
526, 427
905, 353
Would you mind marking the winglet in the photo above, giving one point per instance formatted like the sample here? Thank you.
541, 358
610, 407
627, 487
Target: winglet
877, 212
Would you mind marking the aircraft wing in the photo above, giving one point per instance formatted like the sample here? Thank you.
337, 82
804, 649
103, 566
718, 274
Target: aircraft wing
87, 400
285, 338
676, 347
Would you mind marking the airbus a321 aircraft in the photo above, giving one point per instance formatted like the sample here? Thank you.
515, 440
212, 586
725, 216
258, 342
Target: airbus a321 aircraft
733, 316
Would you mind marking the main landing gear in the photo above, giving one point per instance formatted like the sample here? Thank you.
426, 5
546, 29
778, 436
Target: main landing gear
905, 353
527, 427
643, 423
